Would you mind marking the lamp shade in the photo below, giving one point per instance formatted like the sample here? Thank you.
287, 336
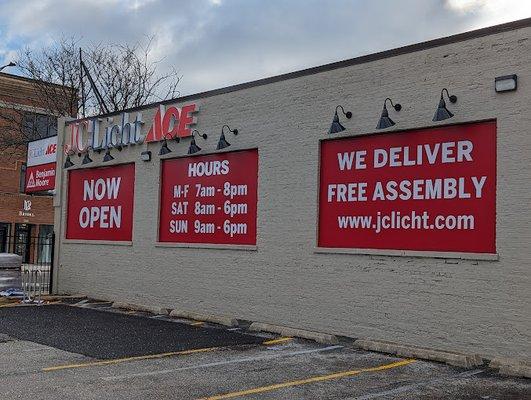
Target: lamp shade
164, 149
86, 159
222, 143
385, 121
68, 162
336, 125
194, 148
108, 156
442, 112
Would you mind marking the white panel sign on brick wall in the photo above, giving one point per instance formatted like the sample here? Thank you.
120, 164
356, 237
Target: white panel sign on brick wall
42, 151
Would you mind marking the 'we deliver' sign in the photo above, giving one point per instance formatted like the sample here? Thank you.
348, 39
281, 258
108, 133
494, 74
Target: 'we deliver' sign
421, 190
100, 203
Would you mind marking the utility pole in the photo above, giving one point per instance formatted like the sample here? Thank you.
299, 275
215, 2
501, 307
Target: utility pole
84, 69
81, 83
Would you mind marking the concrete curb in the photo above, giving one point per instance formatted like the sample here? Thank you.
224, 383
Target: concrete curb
508, 367
452, 358
505, 366
139, 307
287, 331
51, 297
215, 319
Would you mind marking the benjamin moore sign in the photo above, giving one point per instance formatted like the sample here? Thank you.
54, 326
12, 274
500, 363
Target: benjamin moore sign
41, 157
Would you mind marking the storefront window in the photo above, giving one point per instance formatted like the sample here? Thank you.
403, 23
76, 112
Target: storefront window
45, 242
38, 126
4, 237
23, 241
22, 178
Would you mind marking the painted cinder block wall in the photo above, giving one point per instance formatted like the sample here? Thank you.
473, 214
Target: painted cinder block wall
465, 305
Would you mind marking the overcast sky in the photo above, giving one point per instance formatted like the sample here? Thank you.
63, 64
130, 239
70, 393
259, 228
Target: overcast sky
216, 43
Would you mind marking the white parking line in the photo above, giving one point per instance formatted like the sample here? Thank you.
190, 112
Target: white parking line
37, 349
408, 388
216, 364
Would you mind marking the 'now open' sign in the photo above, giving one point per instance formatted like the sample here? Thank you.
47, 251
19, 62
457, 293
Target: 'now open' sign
100, 203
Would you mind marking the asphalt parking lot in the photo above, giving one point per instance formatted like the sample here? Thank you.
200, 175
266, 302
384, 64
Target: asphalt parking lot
91, 351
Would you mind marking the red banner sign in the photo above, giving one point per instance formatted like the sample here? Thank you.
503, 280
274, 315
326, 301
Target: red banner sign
210, 199
423, 190
40, 177
100, 203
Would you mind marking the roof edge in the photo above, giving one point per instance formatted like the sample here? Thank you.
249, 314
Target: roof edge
30, 80
429, 44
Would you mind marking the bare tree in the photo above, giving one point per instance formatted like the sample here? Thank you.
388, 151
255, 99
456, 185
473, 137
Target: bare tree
128, 78
125, 75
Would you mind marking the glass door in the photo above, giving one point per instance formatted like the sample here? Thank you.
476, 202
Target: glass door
23, 241
4, 237
45, 244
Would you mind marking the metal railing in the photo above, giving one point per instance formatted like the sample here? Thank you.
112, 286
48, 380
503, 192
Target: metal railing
36, 270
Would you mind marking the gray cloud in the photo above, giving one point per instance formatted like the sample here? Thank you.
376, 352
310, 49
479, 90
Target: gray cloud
215, 43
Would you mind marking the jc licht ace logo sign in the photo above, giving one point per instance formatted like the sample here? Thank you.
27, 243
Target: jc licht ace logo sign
168, 123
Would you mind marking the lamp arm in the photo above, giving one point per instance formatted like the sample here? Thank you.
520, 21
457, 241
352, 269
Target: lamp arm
234, 131
452, 98
347, 114
203, 135
396, 106
342, 109
168, 136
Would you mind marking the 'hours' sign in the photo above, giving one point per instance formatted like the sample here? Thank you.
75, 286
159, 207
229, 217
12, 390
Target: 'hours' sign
423, 190
210, 199
100, 203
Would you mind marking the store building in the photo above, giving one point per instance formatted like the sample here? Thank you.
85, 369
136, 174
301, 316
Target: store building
26, 220
416, 231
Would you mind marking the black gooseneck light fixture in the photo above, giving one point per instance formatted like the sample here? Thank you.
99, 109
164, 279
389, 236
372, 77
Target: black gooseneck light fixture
164, 148
68, 162
86, 157
385, 121
194, 148
442, 112
336, 125
222, 143
107, 156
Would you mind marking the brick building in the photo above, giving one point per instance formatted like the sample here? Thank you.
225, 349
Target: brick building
294, 221
22, 216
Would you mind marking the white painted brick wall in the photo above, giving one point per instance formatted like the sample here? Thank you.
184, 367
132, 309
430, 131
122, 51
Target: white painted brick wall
473, 306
